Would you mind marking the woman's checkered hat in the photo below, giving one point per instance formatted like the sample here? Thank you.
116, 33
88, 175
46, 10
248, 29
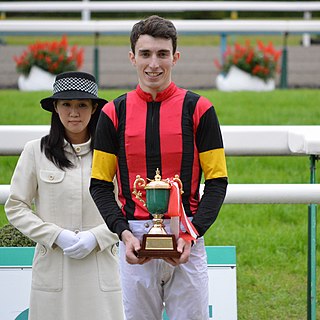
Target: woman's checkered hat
73, 85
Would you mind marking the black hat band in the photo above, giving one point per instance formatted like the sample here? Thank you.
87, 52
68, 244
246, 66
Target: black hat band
75, 84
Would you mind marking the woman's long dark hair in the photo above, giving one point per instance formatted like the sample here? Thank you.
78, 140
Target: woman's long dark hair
52, 144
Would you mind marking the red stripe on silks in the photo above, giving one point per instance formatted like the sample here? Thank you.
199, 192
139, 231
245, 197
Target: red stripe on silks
203, 104
171, 135
136, 113
111, 113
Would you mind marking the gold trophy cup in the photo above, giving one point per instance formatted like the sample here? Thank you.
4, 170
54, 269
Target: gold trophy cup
157, 243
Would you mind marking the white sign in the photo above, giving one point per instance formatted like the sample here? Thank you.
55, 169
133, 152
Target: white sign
16, 283
15, 292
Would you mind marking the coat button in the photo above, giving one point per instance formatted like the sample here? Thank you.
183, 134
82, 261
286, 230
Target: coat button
43, 250
146, 225
114, 249
51, 177
78, 149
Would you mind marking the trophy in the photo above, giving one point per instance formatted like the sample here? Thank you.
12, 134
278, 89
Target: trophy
157, 243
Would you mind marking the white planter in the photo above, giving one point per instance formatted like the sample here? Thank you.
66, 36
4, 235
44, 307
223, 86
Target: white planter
238, 80
37, 80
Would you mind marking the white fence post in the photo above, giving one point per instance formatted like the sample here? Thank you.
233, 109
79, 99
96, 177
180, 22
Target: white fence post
306, 39
85, 13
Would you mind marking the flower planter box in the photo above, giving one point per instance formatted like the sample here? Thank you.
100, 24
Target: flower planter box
38, 79
238, 80
42, 61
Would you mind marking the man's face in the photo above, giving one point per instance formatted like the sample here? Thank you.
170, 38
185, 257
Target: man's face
154, 61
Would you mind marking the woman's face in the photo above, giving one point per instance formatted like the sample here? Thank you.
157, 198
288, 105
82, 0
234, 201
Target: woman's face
75, 116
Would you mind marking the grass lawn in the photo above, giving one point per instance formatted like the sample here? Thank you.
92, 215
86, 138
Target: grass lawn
184, 40
271, 240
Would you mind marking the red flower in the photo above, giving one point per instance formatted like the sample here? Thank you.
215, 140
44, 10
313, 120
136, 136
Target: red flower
55, 57
261, 61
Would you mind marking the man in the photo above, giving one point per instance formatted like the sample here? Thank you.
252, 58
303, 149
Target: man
159, 125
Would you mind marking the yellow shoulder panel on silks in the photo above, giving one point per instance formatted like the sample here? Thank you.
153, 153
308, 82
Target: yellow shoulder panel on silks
104, 166
213, 164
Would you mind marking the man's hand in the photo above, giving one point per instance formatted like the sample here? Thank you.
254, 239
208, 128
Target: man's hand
132, 247
183, 246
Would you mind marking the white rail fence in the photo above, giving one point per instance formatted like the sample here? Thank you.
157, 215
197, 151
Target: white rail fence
186, 26
238, 140
87, 6
14, 27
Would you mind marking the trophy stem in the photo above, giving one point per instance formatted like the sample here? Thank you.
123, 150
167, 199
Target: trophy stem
158, 226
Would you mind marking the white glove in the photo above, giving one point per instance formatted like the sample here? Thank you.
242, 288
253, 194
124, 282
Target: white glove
66, 238
83, 247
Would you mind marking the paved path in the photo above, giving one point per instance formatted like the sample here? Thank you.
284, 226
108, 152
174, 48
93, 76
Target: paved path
195, 70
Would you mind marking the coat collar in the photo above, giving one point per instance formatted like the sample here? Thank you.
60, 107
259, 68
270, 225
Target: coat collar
80, 149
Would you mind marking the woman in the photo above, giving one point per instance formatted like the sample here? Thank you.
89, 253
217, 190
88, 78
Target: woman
75, 267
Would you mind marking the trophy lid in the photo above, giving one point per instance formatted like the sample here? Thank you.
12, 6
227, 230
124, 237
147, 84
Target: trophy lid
157, 183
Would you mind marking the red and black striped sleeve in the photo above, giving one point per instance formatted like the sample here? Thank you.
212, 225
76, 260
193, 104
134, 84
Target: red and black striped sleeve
104, 167
213, 164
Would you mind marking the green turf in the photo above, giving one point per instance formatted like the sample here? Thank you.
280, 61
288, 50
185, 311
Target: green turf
271, 240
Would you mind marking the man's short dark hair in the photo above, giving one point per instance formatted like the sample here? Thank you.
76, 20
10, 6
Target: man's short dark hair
156, 27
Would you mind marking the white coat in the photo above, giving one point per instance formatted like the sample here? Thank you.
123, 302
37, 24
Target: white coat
64, 288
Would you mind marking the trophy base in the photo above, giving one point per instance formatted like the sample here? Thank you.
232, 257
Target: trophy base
159, 246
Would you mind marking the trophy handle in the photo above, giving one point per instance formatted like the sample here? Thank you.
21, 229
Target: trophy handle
140, 183
177, 179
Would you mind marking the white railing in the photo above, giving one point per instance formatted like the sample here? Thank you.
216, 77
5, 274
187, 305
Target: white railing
86, 7
250, 140
12, 27
251, 193
238, 141
159, 6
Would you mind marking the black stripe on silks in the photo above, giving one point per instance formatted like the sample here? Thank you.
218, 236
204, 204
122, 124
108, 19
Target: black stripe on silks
105, 124
153, 154
208, 136
102, 194
129, 207
188, 108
